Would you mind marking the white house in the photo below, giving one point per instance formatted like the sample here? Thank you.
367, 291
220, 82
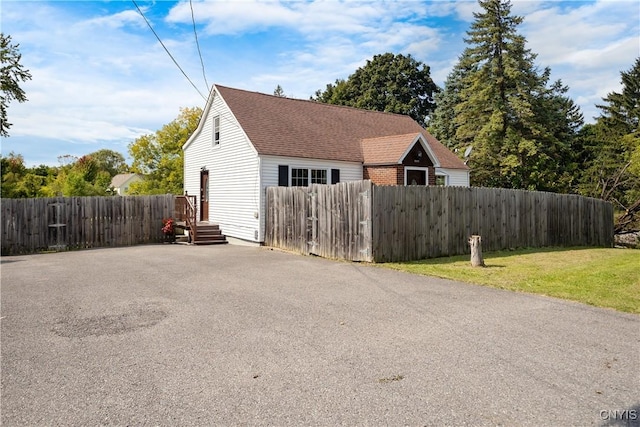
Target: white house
248, 141
121, 182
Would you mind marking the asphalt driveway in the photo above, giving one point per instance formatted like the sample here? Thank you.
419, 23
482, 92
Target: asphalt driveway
231, 335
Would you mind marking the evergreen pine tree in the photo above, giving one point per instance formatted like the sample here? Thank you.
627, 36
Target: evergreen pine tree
498, 102
622, 110
442, 124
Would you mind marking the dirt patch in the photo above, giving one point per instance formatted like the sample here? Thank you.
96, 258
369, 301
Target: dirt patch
131, 318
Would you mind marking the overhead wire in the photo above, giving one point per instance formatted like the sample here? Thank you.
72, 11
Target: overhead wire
195, 33
167, 50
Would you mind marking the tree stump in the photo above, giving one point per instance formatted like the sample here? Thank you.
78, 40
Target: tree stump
476, 251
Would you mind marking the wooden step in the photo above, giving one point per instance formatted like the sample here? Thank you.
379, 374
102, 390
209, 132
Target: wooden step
209, 234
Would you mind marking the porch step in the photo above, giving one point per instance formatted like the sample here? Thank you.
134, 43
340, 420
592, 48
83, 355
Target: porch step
209, 234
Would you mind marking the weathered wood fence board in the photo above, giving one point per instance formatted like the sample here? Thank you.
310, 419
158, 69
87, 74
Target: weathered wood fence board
363, 222
32, 225
332, 221
505, 218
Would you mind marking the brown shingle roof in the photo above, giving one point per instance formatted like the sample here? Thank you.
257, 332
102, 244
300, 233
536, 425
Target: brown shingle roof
308, 129
386, 149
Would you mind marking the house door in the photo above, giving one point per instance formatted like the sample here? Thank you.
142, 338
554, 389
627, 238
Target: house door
416, 177
204, 195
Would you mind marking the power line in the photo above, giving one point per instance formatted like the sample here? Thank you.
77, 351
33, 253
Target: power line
167, 50
193, 19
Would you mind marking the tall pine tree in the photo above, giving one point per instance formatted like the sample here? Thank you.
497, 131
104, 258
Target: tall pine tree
611, 148
442, 123
499, 103
622, 110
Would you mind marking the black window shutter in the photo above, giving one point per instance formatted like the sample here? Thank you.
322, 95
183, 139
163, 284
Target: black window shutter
335, 176
283, 175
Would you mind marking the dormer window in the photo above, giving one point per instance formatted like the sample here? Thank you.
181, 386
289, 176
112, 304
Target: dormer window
216, 130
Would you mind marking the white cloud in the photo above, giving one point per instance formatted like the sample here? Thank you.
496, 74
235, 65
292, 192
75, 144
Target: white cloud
232, 17
465, 9
621, 52
586, 46
332, 38
117, 20
94, 79
559, 35
315, 18
406, 38
79, 128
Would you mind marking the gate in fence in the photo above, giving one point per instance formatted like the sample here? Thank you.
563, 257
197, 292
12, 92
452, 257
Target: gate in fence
332, 221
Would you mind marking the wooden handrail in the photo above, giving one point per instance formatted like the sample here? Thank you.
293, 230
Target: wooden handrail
186, 210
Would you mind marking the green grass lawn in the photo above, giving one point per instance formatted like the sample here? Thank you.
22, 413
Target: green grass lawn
600, 277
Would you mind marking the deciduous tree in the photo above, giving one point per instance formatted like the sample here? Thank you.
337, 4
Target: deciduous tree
12, 74
110, 161
159, 156
392, 83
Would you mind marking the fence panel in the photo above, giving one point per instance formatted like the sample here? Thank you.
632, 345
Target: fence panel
504, 218
33, 225
332, 221
362, 222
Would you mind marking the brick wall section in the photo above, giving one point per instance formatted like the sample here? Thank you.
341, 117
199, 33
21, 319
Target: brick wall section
431, 172
384, 175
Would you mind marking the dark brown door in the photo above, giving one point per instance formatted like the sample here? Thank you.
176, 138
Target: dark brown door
204, 195
416, 177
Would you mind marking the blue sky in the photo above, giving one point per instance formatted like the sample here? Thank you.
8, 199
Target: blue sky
101, 79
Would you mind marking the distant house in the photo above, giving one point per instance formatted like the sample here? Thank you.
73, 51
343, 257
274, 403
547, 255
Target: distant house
248, 141
121, 182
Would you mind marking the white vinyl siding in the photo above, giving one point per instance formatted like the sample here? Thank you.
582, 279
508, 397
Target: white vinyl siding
269, 174
196, 156
269, 168
455, 177
234, 181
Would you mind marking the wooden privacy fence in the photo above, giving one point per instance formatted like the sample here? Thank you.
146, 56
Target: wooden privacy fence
363, 222
412, 222
332, 221
33, 225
